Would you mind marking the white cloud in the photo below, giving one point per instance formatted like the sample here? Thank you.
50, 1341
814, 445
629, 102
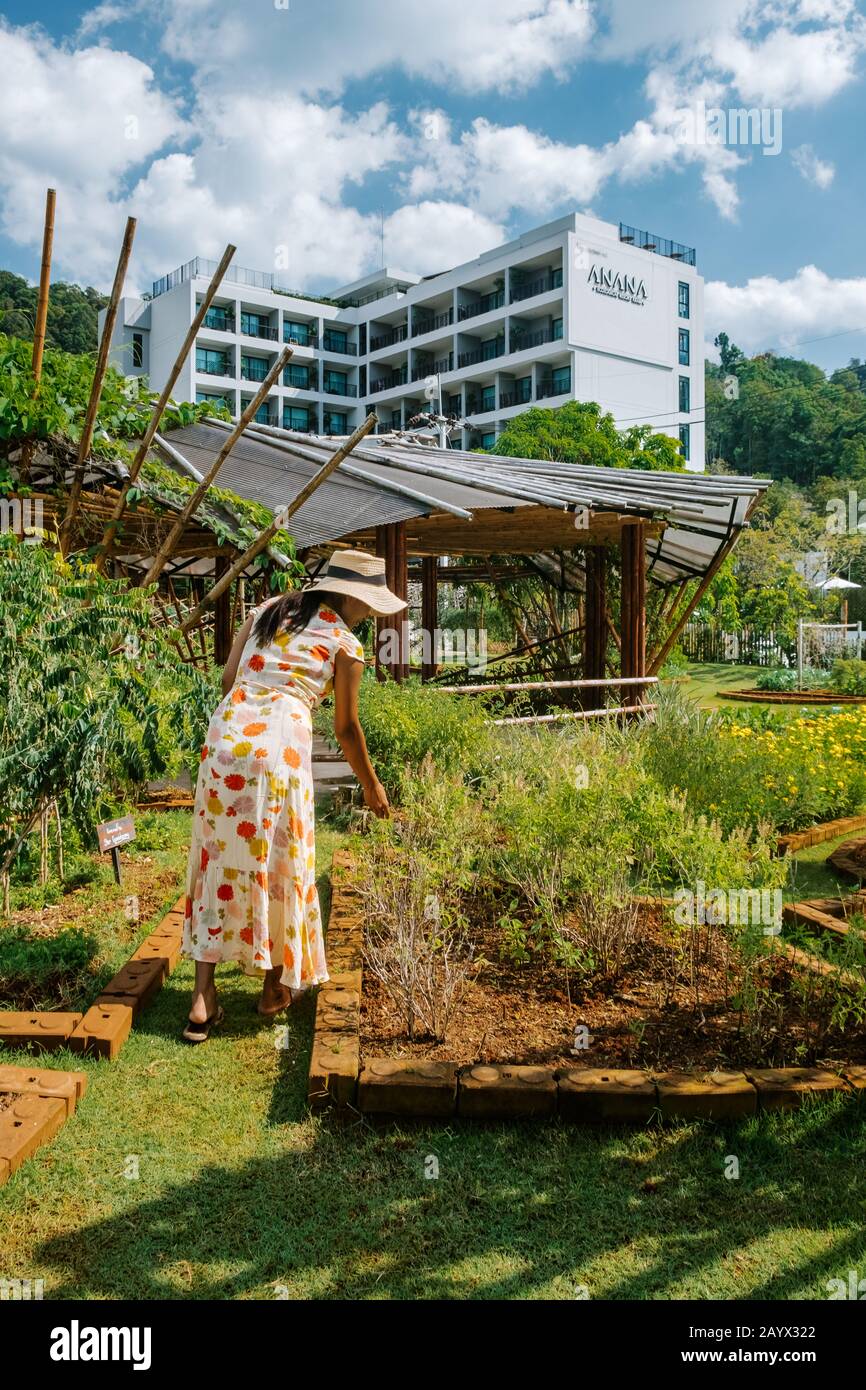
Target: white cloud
814, 170
768, 312
430, 236
485, 45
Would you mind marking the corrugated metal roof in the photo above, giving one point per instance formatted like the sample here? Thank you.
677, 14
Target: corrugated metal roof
702, 513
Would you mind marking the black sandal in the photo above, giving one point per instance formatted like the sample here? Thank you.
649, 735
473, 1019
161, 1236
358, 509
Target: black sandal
200, 1032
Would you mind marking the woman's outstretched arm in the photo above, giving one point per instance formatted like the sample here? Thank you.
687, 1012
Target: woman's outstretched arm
350, 735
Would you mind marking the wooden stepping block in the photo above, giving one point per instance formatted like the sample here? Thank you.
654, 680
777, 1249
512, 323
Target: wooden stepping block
46, 1031
334, 1067
716, 1095
805, 915
388, 1086
338, 1010
784, 1088
163, 949
595, 1094
856, 1077
68, 1086
498, 1092
138, 979
103, 1029
850, 859
25, 1123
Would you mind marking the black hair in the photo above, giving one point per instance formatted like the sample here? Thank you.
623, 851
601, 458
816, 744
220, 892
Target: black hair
292, 612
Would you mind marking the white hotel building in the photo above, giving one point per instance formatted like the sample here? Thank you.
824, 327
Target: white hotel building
577, 309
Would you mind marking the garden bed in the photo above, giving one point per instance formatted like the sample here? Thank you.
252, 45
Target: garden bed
652, 1016
794, 697
652, 1047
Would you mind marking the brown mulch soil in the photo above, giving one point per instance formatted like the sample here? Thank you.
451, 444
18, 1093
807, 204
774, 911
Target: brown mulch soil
649, 1017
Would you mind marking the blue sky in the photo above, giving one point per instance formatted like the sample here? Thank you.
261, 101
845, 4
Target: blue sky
286, 125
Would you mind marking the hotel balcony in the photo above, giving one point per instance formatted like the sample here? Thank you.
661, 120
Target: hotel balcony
338, 342
554, 386
390, 383
520, 341
535, 284
485, 304
394, 335
486, 352
223, 320
256, 326
298, 335
336, 388
429, 323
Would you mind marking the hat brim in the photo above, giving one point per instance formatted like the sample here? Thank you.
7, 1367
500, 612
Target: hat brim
380, 601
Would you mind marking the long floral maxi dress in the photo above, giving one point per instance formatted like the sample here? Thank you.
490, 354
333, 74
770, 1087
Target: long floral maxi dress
251, 880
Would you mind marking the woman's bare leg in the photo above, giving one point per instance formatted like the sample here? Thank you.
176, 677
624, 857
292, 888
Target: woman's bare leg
275, 996
204, 992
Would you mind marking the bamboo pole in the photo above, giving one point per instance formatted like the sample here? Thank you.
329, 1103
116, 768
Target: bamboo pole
660, 656
159, 408
40, 325
86, 440
265, 537
177, 530
39, 328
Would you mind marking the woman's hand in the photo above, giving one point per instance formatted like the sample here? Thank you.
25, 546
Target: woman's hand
376, 799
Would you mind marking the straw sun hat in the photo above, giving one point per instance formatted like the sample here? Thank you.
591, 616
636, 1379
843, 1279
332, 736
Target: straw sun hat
361, 575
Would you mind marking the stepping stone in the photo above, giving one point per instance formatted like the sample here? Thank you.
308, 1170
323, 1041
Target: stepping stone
47, 1031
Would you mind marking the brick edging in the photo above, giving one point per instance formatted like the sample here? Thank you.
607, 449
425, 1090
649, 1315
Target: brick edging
43, 1101
425, 1089
104, 1028
817, 834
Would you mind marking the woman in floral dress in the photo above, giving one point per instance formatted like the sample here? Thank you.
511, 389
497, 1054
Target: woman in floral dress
251, 880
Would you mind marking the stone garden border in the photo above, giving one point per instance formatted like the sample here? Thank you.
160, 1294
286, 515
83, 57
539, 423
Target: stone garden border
45, 1098
393, 1088
793, 697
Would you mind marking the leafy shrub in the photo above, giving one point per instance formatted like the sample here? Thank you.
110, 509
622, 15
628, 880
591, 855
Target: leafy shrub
849, 676
403, 723
784, 678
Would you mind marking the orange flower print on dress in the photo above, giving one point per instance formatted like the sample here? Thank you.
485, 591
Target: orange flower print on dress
328, 615
292, 757
235, 782
256, 662
250, 730
246, 829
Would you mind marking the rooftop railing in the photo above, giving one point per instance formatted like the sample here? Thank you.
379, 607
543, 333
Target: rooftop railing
663, 246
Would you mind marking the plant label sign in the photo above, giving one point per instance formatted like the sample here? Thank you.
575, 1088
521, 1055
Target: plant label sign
112, 834
115, 832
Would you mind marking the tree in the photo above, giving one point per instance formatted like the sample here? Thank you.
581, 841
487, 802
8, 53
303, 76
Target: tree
579, 432
72, 312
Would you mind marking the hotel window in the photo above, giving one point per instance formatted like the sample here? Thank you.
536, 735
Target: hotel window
335, 422
335, 382
138, 349
210, 398
336, 341
685, 395
561, 378
684, 441
253, 368
557, 329
395, 420
523, 390
488, 398
219, 318
254, 325
452, 405
297, 376
488, 440
263, 414
685, 356
210, 362
296, 417
683, 297
491, 348
296, 332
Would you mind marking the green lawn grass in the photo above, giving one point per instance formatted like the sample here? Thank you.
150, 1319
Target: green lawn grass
240, 1193
708, 683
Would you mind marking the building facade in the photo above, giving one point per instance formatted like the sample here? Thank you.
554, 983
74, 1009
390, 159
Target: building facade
577, 309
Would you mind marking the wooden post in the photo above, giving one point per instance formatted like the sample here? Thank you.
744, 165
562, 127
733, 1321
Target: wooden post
633, 609
595, 635
429, 615
265, 537
40, 326
159, 409
381, 623
222, 630
393, 541
177, 530
41, 323
86, 440
401, 589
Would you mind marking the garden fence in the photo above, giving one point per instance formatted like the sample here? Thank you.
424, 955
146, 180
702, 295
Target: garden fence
749, 647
